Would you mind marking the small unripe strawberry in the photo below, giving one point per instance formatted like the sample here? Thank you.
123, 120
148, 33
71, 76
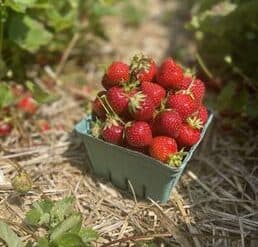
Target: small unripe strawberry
138, 134
28, 105
170, 74
184, 104
22, 182
154, 91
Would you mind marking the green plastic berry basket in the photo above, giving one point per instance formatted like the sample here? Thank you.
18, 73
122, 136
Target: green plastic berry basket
149, 177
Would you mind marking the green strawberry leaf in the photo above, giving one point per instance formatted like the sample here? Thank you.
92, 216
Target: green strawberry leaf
39, 94
6, 95
28, 33
88, 235
59, 21
20, 5
69, 240
9, 236
43, 242
3, 67
72, 224
61, 209
226, 95
40, 213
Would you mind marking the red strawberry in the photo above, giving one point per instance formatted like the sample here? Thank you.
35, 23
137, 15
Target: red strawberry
43, 125
143, 150
5, 128
117, 73
183, 104
203, 114
170, 74
28, 105
97, 107
141, 107
194, 86
143, 68
138, 134
118, 98
188, 136
113, 131
164, 148
154, 91
168, 123
199, 118
105, 83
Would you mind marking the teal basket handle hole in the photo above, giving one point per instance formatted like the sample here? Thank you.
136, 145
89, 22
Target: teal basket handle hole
110, 176
144, 191
126, 183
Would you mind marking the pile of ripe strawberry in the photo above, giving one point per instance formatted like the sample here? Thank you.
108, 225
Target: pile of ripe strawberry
150, 109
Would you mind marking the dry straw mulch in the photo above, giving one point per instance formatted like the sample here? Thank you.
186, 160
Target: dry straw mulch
214, 204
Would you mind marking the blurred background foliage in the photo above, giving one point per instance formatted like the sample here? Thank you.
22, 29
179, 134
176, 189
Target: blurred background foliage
226, 34
29, 28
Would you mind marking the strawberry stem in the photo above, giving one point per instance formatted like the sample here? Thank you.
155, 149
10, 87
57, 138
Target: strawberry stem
113, 112
101, 102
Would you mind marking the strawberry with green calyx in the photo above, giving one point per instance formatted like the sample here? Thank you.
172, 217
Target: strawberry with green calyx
116, 74
170, 74
164, 149
96, 128
118, 98
138, 134
199, 118
167, 122
113, 130
195, 122
183, 103
143, 68
141, 107
188, 135
154, 91
194, 86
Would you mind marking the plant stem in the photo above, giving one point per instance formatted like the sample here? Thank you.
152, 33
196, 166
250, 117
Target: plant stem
2, 10
203, 66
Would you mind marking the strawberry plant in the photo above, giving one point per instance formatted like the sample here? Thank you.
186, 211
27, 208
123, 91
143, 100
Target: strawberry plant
63, 226
227, 37
28, 26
